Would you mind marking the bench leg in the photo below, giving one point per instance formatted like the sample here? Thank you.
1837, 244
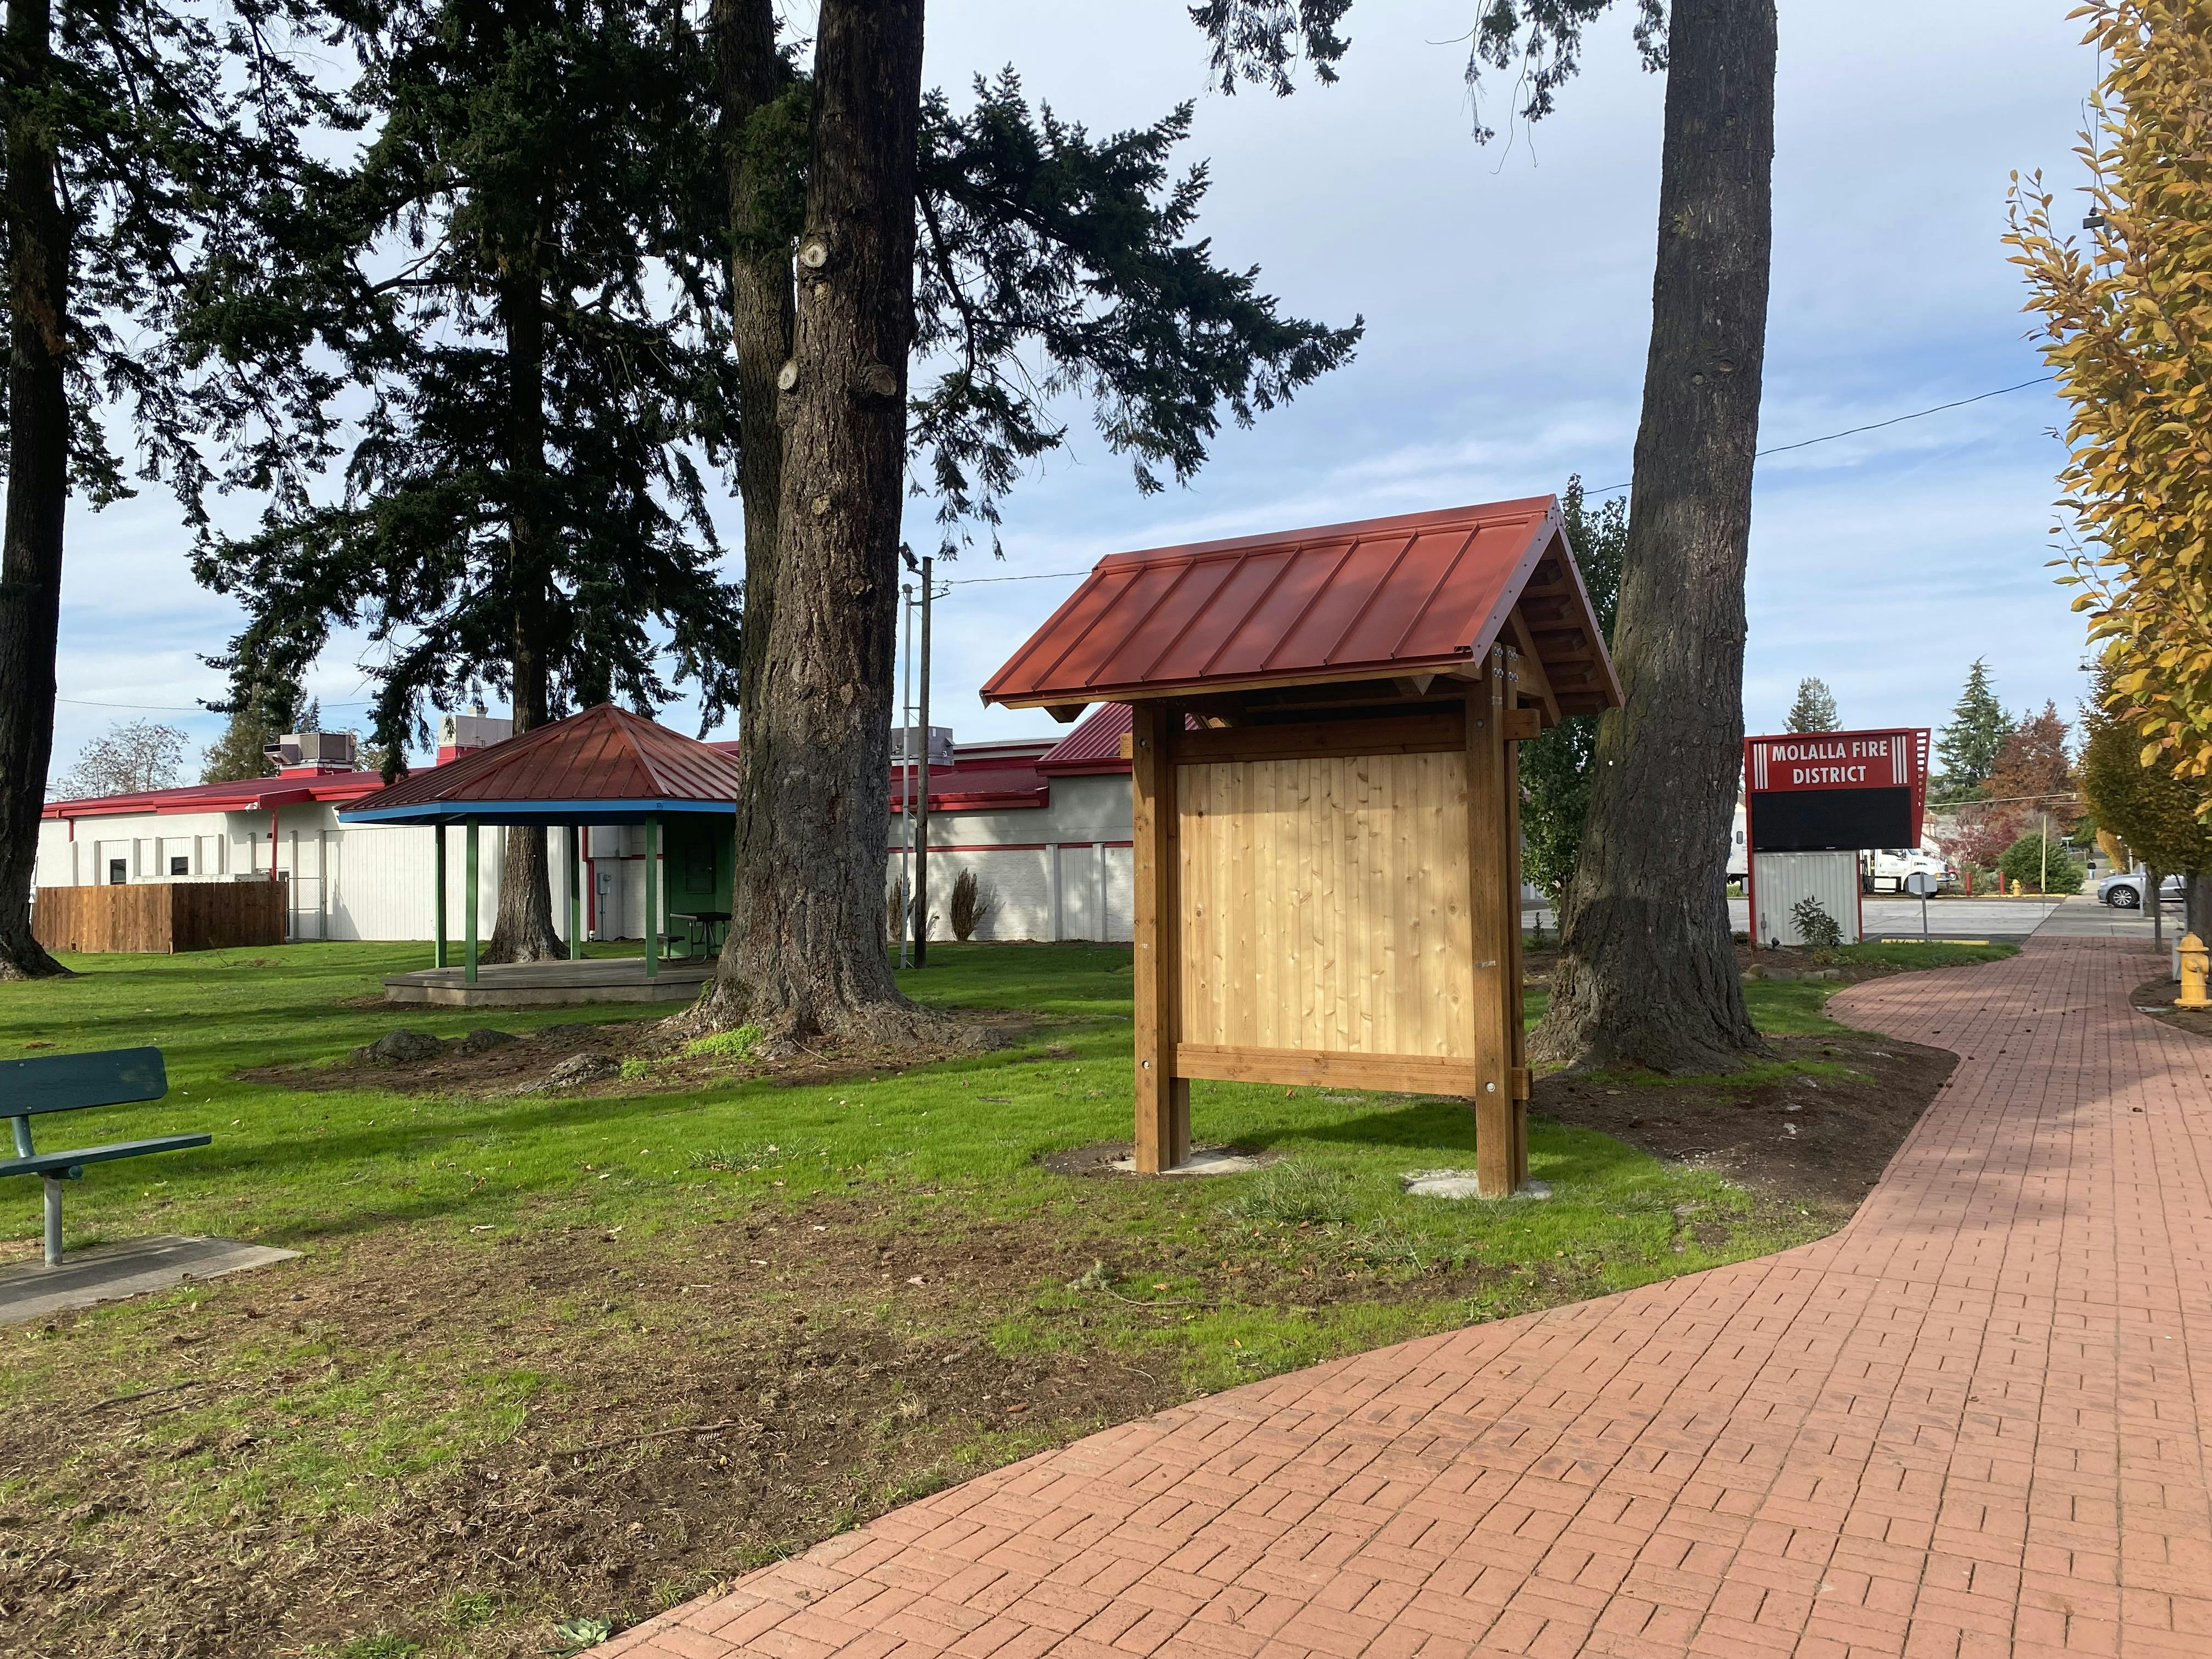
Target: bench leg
53, 1184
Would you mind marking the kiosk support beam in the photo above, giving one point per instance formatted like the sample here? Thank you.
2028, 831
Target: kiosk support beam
1162, 1132
1494, 919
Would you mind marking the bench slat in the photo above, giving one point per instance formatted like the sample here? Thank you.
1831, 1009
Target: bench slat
50, 1163
64, 1083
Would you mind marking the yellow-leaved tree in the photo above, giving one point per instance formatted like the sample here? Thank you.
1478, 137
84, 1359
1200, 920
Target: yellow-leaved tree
2127, 329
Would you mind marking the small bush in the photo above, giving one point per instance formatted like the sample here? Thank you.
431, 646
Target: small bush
636, 1068
1293, 1192
1815, 926
2023, 862
973, 904
727, 1045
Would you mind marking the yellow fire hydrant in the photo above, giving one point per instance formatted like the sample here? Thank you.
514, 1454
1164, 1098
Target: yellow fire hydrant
2195, 962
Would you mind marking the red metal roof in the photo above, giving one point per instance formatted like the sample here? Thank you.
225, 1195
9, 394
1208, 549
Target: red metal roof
1095, 745
244, 795
990, 784
605, 754
1418, 591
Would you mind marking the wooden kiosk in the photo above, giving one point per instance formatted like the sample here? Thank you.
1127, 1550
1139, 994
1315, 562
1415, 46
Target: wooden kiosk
1327, 801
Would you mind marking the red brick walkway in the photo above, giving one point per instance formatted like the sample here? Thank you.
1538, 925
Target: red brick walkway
1969, 1424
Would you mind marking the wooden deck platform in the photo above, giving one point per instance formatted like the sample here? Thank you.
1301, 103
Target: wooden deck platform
521, 985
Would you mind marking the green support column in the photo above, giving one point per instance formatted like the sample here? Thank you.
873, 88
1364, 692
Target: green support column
469, 911
575, 894
438, 960
653, 897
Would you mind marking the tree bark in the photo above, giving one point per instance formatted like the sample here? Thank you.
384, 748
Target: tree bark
523, 931
1647, 972
805, 951
751, 75
38, 484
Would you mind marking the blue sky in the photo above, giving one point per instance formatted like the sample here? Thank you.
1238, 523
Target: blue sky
1507, 293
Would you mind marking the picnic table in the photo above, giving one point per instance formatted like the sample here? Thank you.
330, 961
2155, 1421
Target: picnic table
700, 930
71, 1083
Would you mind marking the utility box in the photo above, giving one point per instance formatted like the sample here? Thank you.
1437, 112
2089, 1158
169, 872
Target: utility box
1780, 881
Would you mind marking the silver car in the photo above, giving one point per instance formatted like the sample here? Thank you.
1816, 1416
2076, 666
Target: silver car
2125, 891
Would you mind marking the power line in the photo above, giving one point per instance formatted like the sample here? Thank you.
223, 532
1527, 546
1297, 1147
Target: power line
1871, 426
1614, 489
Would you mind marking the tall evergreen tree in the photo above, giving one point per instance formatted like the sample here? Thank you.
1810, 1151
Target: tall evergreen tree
908, 275
1968, 747
1814, 709
529, 251
146, 149
1555, 768
1647, 971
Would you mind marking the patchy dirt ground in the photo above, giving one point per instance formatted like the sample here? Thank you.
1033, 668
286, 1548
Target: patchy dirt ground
2155, 997
1822, 1140
626, 1056
697, 1407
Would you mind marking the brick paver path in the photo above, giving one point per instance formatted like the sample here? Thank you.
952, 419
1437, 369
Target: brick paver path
1971, 1423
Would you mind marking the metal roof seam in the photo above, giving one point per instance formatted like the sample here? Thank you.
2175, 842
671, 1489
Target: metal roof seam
1306, 610
1466, 542
1189, 622
1373, 593
1267, 593
1105, 610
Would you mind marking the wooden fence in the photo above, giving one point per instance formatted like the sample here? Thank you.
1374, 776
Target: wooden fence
161, 916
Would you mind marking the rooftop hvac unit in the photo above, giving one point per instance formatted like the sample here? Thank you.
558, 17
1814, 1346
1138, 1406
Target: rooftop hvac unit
321, 751
906, 745
461, 734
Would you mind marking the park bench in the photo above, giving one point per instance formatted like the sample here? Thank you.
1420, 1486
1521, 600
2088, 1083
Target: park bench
70, 1082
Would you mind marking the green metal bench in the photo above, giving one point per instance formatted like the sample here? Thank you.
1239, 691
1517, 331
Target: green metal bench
70, 1082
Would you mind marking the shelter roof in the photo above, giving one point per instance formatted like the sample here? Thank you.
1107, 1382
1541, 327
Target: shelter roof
1420, 592
605, 765
244, 795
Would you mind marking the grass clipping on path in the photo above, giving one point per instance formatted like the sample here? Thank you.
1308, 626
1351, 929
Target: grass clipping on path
551, 1362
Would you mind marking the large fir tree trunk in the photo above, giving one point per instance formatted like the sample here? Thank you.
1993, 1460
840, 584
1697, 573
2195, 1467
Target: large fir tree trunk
805, 950
38, 484
1647, 972
523, 931
751, 75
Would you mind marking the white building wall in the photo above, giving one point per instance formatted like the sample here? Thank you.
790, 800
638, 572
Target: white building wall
1779, 880
1065, 871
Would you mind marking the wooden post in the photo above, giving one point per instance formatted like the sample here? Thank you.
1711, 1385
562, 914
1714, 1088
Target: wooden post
469, 910
652, 896
438, 908
575, 894
1517, 724
1162, 1134
1493, 927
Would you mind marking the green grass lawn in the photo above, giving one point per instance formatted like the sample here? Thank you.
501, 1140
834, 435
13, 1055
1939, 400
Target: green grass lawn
1204, 1283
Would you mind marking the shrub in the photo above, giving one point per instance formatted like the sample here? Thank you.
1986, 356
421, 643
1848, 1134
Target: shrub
1815, 926
972, 904
1293, 1192
2023, 862
727, 1045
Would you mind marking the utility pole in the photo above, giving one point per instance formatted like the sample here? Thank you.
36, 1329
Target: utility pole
921, 795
